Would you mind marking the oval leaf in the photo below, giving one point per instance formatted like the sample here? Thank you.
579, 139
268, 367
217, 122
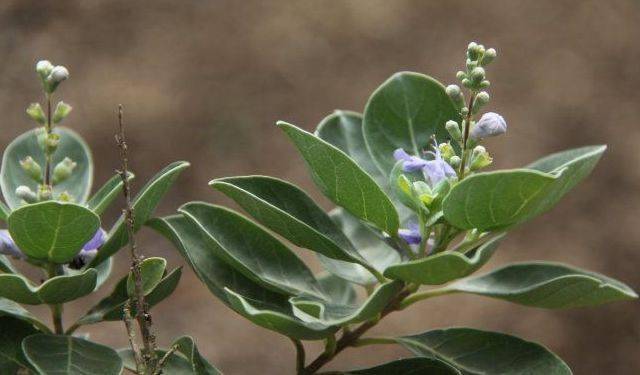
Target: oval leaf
443, 267
404, 112
151, 272
51, 355
52, 231
343, 181
71, 145
288, 211
414, 366
482, 352
57, 289
500, 199
369, 244
251, 250
143, 206
547, 285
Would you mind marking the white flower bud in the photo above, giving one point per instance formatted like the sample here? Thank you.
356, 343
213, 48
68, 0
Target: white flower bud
453, 91
490, 125
59, 74
454, 130
62, 110
481, 100
63, 170
477, 75
26, 194
489, 56
44, 68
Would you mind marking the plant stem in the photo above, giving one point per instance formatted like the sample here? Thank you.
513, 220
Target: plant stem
423, 295
352, 336
300, 356
373, 341
465, 136
56, 309
142, 315
47, 163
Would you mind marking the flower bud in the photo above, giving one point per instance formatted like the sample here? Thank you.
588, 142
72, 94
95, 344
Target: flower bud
62, 110
32, 168
65, 197
461, 75
454, 130
477, 75
44, 68
490, 125
51, 143
36, 113
26, 194
63, 170
480, 158
455, 161
404, 185
453, 91
484, 84
446, 151
473, 51
481, 100
488, 57
44, 193
59, 74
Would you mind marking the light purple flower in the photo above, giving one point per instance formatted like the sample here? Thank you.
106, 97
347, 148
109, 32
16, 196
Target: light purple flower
411, 234
437, 169
90, 249
8, 247
490, 125
409, 163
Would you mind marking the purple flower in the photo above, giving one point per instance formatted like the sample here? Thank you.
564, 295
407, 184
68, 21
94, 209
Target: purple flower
489, 125
409, 163
434, 170
8, 247
411, 235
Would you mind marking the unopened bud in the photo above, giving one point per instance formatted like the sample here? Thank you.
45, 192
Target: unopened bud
446, 151
44, 68
454, 130
51, 143
480, 101
477, 75
490, 125
26, 194
59, 74
32, 168
404, 185
461, 75
453, 91
488, 57
63, 170
62, 110
455, 161
44, 193
480, 158
65, 197
484, 84
36, 113
472, 51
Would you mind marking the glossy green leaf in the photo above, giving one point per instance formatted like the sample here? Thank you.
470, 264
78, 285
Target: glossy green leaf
482, 352
251, 250
58, 289
404, 112
500, 199
343, 129
151, 272
288, 211
143, 206
101, 200
547, 285
443, 267
336, 314
369, 244
409, 366
52, 231
12, 332
71, 145
343, 181
110, 307
338, 290
52, 355
266, 308
14, 310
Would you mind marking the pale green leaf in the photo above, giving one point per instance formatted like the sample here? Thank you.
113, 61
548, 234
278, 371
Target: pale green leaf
151, 272
55, 290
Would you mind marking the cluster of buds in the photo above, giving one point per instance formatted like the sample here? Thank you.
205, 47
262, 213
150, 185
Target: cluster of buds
47, 176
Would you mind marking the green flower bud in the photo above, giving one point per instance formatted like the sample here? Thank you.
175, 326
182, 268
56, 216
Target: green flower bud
484, 84
44, 193
457, 97
488, 57
454, 130
58, 74
32, 168
36, 113
63, 170
461, 75
65, 197
471, 64
455, 161
62, 110
446, 151
25, 193
424, 192
44, 68
51, 143
477, 75
466, 83
480, 101
480, 158
473, 51
404, 185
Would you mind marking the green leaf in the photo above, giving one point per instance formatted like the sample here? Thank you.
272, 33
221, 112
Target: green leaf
343, 129
288, 211
68, 355
199, 365
547, 285
151, 271
338, 290
343, 181
143, 206
409, 366
500, 199
110, 307
12, 332
266, 308
58, 289
14, 310
251, 250
4, 211
482, 352
404, 113
71, 145
313, 309
443, 267
369, 244
52, 231
101, 200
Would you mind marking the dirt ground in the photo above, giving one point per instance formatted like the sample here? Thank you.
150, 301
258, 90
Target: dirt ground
205, 81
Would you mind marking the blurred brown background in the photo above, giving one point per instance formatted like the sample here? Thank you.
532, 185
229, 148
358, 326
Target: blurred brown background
205, 81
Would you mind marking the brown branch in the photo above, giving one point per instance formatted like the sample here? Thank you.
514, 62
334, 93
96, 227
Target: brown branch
142, 315
137, 356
